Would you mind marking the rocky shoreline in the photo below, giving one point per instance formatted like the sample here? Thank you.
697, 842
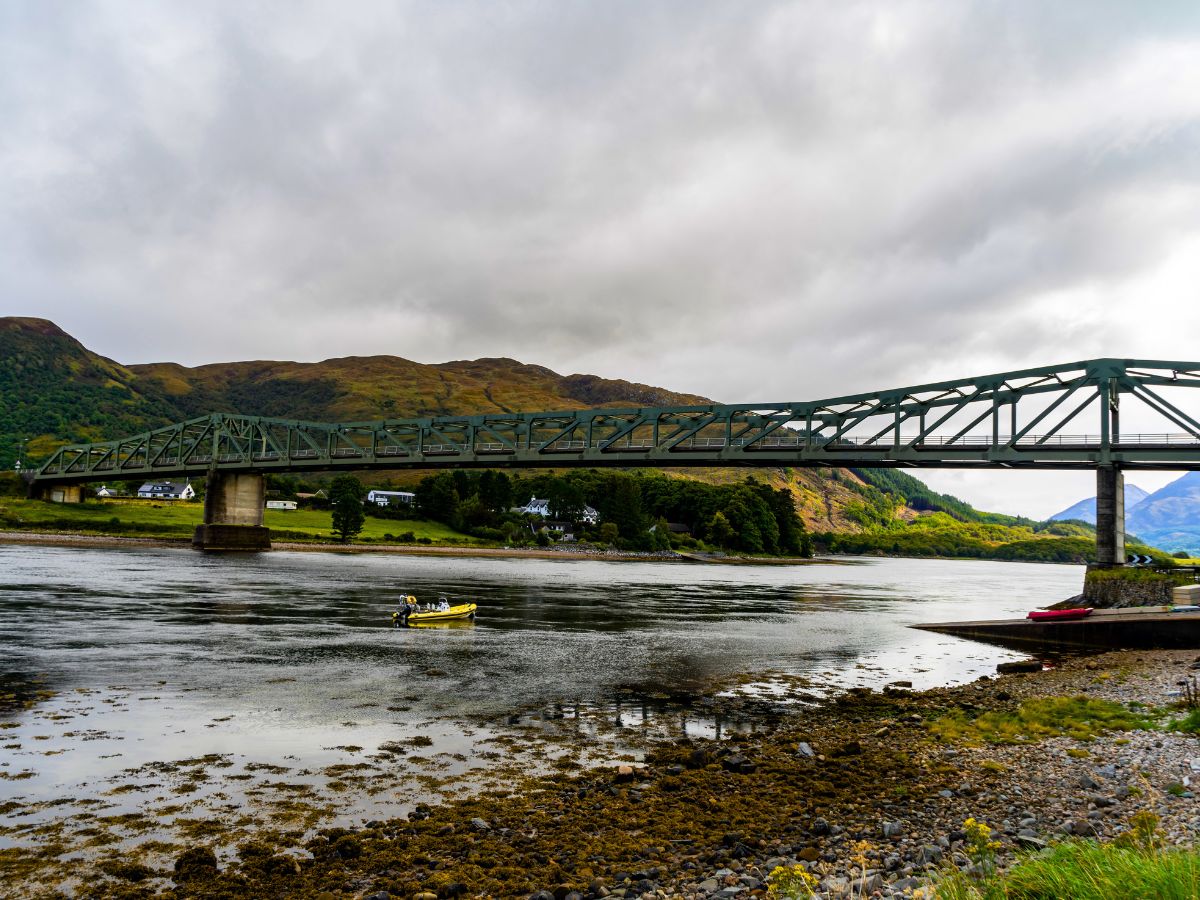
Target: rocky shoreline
859, 791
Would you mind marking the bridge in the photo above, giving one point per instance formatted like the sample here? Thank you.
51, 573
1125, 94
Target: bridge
1056, 417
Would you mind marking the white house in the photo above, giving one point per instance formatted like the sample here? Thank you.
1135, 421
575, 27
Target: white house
281, 504
538, 507
391, 498
104, 491
166, 490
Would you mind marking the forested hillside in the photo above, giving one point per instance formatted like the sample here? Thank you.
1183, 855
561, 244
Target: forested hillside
54, 390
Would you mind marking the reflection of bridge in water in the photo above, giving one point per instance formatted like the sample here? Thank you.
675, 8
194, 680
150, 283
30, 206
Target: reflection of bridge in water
1056, 417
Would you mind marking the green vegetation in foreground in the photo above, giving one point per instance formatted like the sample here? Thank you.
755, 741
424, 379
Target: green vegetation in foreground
1085, 870
1042, 717
1189, 724
179, 520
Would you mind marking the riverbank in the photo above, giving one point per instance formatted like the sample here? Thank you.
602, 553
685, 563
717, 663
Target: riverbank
869, 789
74, 539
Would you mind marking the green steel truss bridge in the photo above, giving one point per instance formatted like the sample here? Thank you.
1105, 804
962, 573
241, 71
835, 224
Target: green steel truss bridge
1057, 417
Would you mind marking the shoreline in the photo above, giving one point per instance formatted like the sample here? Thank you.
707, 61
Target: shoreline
80, 539
856, 789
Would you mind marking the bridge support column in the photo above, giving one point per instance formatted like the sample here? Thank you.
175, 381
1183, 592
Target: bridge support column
58, 493
233, 514
1110, 517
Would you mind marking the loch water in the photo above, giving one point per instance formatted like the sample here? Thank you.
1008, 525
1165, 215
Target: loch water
112, 659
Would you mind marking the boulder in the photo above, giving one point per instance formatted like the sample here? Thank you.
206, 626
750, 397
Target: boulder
1019, 665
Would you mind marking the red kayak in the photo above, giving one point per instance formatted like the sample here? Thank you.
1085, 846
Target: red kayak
1077, 613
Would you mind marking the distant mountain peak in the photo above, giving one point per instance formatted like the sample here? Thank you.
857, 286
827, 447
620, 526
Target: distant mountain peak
1085, 510
1170, 517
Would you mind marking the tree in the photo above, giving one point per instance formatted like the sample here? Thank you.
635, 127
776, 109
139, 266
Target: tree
496, 490
720, 532
437, 498
662, 534
609, 533
473, 514
625, 507
565, 500
346, 495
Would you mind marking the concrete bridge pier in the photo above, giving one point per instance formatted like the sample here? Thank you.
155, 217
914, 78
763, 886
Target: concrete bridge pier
233, 514
1110, 517
57, 493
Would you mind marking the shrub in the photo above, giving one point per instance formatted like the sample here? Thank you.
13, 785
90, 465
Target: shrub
791, 883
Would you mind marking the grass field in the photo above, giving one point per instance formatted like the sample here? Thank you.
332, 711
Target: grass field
177, 520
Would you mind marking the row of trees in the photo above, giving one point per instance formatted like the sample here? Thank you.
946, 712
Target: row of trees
633, 509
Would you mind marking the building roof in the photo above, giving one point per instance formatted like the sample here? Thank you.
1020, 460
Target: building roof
163, 487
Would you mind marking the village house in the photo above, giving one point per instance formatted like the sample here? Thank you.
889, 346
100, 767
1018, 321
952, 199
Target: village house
564, 530
391, 498
539, 507
104, 491
166, 490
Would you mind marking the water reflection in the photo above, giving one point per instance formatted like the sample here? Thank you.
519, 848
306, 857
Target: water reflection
290, 659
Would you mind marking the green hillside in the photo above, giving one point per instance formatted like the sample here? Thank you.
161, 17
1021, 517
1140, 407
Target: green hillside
55, 390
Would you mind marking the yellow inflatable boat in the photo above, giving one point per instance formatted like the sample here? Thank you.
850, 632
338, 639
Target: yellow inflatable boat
409, 614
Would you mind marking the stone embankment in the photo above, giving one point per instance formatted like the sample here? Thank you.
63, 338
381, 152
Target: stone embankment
1125, 588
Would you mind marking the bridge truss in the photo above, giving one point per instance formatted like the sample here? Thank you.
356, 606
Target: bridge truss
1057, 417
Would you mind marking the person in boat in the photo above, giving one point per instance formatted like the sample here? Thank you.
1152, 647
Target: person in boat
443, 604
408, 606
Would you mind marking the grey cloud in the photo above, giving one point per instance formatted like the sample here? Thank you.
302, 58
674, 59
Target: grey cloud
734, 200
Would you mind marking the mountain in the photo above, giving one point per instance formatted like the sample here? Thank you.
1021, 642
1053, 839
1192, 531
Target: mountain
355, 388
1085, 510
1170, 517
55, 390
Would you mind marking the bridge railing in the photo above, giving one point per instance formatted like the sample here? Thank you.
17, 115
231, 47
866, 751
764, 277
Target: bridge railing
843, 444
1032, 417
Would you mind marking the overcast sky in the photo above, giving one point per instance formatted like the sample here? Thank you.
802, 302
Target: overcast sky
750, 201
